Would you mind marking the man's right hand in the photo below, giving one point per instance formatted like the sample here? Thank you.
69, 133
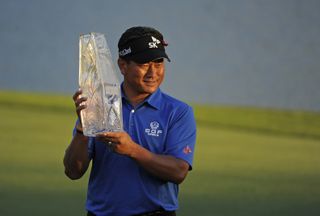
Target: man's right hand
79, 102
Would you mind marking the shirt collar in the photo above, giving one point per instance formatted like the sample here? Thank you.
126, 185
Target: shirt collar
153, 100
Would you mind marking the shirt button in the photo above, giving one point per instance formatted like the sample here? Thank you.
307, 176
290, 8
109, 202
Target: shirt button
132, 111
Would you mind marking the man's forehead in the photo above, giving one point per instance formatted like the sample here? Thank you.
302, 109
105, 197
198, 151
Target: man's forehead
158, 60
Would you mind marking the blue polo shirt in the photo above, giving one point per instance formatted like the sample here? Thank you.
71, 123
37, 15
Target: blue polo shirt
118, 186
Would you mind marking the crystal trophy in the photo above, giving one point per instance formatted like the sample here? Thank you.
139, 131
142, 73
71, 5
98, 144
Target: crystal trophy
99, 83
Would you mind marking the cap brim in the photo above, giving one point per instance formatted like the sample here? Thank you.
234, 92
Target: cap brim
149, 56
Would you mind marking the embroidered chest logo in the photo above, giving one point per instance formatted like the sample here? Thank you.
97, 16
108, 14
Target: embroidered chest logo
153, 130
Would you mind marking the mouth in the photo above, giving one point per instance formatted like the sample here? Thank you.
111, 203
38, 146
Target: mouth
150, 82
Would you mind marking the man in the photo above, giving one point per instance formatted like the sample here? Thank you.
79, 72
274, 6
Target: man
137, 171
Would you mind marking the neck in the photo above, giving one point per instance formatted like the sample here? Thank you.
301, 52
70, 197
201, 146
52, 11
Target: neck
134, 98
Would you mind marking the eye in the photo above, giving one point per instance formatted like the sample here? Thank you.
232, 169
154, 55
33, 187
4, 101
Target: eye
146, 65
158, 65
158, 62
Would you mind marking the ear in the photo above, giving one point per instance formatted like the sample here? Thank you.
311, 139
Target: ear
122, 66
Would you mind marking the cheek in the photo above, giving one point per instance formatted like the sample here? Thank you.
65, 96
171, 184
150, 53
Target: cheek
161, 75
134, 76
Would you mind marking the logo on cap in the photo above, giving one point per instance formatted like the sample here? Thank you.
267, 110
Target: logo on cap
154, 43
125, 51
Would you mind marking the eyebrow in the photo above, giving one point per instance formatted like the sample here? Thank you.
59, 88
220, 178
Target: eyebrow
158, 60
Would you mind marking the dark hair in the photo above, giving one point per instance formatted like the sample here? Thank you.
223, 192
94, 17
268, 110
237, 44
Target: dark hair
138, 32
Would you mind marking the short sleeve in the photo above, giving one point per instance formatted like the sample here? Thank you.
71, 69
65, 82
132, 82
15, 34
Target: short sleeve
181, 137
91, 142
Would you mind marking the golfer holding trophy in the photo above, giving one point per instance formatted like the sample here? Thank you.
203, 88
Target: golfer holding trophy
140, 140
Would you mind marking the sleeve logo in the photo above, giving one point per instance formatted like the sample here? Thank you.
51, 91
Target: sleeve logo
187, 150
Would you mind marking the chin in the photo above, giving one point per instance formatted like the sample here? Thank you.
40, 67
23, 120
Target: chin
150, 90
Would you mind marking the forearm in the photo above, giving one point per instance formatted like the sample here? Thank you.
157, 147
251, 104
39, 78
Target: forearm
76, 159
165, 167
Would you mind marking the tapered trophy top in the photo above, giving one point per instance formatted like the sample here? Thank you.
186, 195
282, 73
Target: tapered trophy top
99, 83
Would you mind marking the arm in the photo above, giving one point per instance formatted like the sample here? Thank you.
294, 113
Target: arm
76, 159
165, 167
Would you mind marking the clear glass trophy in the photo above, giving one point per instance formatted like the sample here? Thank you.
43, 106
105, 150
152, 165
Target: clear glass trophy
99, 83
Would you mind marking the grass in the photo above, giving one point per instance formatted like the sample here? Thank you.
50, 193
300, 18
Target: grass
241, 173
264, 120
248, 161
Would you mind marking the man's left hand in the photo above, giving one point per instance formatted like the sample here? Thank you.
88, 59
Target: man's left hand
120, 142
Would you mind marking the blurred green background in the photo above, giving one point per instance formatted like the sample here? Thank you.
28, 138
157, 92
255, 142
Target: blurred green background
248, 161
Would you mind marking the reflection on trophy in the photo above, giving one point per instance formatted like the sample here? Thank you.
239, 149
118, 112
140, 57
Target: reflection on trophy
99, 83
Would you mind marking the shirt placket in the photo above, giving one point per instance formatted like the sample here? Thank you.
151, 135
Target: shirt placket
132, 122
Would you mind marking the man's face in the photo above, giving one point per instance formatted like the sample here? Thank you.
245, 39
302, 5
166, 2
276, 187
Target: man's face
142, 78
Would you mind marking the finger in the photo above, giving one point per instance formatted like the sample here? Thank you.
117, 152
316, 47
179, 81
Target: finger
108, 134
80, 100
103, 137
106, 139
81, 107
100, 139
112, 135
112, 146
113, 139
76, 94
101, 134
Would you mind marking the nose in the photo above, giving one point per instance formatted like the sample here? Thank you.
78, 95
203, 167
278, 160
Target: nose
151, 70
